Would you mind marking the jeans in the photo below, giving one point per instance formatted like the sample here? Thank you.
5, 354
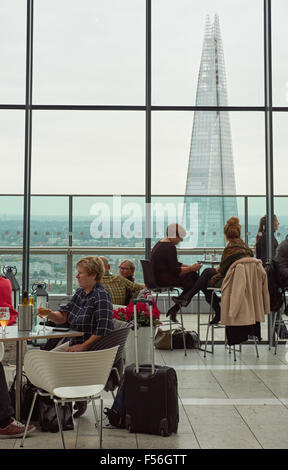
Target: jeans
6, 409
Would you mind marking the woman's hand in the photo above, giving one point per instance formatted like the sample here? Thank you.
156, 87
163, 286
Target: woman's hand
43, 312
187, 269
196, 267
77, 348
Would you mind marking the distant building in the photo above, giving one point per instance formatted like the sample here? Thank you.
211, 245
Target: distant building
211, 167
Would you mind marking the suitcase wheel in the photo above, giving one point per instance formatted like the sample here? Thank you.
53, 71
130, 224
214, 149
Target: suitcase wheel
164, 432
128, 423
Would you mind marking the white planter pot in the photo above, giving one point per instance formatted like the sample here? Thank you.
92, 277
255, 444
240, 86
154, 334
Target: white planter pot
144, 346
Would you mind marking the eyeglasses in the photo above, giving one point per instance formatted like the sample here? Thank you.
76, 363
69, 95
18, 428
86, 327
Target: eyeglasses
124, 269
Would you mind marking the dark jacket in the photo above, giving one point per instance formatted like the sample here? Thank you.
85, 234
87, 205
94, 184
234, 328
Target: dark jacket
261, 247
281, 263
165, 264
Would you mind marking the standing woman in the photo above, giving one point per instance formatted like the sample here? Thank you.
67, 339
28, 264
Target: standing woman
261, 239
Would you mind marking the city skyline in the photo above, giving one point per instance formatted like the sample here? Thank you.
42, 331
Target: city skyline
211, 165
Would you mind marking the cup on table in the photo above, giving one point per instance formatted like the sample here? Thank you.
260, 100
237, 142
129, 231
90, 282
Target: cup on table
43, 312
4, 318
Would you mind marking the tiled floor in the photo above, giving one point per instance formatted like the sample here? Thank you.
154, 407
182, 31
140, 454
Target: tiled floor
223, 405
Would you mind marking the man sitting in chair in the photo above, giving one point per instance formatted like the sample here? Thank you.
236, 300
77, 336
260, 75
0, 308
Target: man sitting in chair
167, 269
117, 286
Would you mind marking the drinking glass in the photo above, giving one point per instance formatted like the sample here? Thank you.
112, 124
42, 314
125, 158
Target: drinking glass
207, 256
44, 315
214, 256
4, 318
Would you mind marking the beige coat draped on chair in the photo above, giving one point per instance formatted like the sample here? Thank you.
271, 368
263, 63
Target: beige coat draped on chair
245, 296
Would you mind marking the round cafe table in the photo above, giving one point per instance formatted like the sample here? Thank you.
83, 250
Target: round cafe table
13, 334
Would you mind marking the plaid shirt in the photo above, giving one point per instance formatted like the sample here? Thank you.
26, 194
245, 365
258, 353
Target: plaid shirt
90, 313
117, 287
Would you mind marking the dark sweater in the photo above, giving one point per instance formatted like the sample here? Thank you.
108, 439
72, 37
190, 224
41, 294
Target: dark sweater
261, 247
281, 263
165, 264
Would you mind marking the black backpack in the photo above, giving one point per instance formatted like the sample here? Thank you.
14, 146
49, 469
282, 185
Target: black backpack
274, 291
116, 414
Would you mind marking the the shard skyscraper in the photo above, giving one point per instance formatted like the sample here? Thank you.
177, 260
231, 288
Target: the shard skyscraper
211, 168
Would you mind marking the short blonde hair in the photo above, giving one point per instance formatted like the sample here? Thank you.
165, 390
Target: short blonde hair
93, 265
130, 264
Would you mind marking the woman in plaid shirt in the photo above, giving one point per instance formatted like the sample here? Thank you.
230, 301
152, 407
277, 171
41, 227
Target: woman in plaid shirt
89, 311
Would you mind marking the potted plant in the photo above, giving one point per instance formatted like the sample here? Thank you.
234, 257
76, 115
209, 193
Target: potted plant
126, 314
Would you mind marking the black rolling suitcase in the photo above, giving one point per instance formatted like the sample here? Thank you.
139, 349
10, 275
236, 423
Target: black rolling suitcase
151, 398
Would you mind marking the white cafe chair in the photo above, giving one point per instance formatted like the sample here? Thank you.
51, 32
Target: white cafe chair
67, 377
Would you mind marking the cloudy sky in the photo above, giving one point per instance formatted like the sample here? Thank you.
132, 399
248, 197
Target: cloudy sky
93, 53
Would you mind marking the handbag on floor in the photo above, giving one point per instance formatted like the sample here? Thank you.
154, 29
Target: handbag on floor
116, 414
27, 394
48, 418
163, 339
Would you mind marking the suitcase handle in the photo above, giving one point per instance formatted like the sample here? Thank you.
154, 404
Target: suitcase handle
149, 302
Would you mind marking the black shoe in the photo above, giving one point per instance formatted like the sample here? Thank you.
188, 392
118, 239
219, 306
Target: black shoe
181, 301
81, 407
172, 313
214, 321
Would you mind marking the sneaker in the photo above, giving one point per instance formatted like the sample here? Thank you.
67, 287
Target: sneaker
15, 429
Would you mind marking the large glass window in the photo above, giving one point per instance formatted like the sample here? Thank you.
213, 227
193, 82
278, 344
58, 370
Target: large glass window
185, 32
12, 51
49, 221
89, 53
12, 125
109, 221
207, 53
280, 124
88, 152
279, 52
51, 270
242, 143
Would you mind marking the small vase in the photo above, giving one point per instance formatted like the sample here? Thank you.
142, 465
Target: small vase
144, 346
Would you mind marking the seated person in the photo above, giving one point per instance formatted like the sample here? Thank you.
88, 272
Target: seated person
261, 239
9, 427
6, 298
127, 269
118, 286
281, 263
167, 269
90, 311
234, 250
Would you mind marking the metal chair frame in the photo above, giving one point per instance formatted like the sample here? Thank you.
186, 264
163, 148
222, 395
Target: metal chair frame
67, 377
151, 284
214, 290
278, 316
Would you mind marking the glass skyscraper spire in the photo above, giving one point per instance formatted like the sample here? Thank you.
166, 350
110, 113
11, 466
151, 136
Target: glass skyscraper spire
211, 168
